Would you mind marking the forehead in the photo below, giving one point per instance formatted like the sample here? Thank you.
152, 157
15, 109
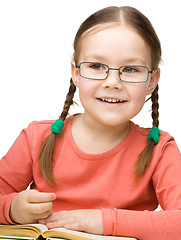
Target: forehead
116, 42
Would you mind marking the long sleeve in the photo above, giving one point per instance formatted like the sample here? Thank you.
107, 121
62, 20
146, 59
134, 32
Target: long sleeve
15, 174
144, 225
157, 225
101, 181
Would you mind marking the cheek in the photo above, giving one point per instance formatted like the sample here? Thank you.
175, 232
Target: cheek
138, 94
87, 87
87, 90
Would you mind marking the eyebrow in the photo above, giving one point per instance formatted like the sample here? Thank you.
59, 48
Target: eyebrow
126, 61
95, 57
135, 60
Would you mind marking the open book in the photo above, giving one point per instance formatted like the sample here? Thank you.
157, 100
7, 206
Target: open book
37, 230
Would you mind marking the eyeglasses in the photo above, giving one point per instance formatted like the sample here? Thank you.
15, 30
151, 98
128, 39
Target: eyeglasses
100, 71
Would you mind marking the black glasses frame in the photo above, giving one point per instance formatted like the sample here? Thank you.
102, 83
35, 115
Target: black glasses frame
115, 69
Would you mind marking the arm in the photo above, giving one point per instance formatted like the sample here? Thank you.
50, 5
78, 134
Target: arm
149, 225
16, 173
145, 225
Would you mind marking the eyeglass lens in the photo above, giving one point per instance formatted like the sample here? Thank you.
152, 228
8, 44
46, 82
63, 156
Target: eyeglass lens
100, 71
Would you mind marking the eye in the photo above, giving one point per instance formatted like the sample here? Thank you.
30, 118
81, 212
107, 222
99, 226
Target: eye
129, 69
97, 66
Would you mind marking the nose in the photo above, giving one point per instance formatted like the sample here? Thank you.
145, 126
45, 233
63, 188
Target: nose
113, 80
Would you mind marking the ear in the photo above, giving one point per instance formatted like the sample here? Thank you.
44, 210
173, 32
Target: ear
155, 76
75, 74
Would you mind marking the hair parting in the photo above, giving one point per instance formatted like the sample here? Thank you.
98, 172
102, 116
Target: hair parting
47, 150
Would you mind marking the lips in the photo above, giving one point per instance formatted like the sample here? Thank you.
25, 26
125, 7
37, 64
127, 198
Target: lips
111, 100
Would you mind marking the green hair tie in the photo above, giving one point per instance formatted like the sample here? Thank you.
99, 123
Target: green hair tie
57, 126
154, 134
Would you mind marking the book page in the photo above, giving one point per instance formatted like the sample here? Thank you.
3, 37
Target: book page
28, 230
42, 227
2, 237
76, 235
35, 230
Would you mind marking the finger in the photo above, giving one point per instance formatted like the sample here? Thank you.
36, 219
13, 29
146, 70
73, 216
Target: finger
44, 215
35, 197
76, 226
53, 218
42, 220
60, 223
40, 208
59, 215
37, 217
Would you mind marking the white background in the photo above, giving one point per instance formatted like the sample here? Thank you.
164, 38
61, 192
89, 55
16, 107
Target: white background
36, 39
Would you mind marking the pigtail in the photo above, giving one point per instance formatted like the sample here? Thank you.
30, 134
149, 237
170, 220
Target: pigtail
47, 149
155, 107
145, 156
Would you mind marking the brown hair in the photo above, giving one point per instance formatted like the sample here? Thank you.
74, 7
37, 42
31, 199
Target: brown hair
116, 15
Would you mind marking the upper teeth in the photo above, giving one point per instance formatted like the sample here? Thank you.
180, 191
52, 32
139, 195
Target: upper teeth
111, 100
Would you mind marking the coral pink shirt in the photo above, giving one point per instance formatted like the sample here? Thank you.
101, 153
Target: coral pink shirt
105, 180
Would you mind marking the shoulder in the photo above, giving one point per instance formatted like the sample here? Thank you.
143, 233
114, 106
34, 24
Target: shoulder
142, 131
40, 124
39, 130
140, 134
165, 153
166, 141
44, 124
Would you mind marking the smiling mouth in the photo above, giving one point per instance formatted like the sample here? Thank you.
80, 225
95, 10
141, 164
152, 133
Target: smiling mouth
110, 100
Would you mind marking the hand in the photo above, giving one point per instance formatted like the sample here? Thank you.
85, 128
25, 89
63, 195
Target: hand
89, 221
30, 205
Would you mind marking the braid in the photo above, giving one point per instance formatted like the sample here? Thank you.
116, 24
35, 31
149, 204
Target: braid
155, 106
47, 149
69, 100
145, 156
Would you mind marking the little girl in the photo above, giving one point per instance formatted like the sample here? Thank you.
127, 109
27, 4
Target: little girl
99, 172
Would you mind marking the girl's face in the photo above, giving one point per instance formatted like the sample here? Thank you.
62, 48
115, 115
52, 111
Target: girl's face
115, 46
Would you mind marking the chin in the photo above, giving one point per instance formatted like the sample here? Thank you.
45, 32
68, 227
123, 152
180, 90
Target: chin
113, 121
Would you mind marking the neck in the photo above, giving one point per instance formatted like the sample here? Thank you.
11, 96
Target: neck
92, 136
98, 129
